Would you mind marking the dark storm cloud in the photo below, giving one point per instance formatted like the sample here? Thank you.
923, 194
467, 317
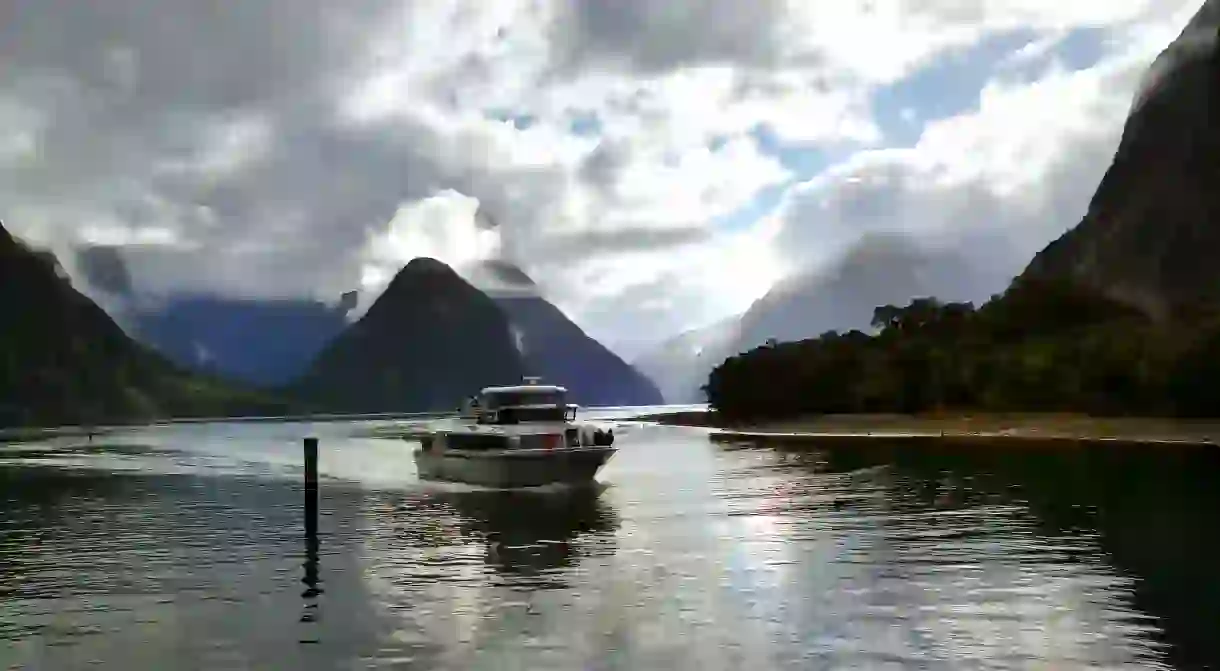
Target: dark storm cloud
200, 55
221, 124
131, 96
651, 36
622, 240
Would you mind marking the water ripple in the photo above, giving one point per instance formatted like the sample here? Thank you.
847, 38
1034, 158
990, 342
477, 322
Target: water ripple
182, 547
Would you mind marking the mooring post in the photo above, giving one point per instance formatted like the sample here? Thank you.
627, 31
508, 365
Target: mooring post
311, 518
311, 488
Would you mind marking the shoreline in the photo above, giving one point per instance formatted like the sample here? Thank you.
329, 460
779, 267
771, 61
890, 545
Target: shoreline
1027, 428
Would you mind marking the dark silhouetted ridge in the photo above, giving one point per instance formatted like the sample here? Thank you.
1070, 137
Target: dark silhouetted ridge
428, 341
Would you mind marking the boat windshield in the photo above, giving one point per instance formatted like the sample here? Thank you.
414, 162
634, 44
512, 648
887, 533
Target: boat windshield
512, 399
551, 414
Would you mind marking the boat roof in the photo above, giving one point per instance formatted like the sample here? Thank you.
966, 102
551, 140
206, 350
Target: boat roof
526, 389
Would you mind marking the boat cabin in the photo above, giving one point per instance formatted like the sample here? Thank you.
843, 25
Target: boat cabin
530, 402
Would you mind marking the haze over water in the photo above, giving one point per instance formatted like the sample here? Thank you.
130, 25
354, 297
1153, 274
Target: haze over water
182, 547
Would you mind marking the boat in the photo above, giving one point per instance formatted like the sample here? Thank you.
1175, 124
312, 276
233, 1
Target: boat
515, 436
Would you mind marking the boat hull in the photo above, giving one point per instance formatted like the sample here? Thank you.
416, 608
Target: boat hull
513, 468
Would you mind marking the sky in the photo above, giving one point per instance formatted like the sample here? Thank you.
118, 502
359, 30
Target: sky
653, 166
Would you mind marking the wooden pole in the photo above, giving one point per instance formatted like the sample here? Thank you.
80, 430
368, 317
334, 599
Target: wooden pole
311, 487
311, 524
311, 461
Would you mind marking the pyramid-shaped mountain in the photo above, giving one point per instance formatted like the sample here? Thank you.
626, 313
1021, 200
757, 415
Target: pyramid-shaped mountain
430, 340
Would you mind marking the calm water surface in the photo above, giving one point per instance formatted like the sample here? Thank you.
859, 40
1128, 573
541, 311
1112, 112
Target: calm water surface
182, 547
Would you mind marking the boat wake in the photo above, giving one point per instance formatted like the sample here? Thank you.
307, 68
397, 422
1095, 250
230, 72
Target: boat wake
553, 488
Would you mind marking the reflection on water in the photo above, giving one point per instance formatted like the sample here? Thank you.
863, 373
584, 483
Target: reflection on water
534, 534
1143, 516
187, 547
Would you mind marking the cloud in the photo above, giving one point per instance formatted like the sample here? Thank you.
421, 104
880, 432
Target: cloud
659, 37
105, 268
999, 181
282, 148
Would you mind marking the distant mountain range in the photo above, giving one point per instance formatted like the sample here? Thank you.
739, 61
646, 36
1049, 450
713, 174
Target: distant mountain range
291, 344
1149, 238
264, 343
880, 269
63, 360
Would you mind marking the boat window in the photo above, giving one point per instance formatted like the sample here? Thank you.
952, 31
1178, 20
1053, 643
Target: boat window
514, 415
469, 441
508, 399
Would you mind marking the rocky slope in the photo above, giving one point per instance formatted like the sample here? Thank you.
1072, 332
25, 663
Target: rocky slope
1152, 229
428, 341
559, 351
64, 360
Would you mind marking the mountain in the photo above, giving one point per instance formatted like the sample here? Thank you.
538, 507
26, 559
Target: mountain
880, 269
64, 360
1152, 229
681, 364
428, 341
558, 350
260, 342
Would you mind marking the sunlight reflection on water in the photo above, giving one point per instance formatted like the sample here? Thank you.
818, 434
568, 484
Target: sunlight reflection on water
181, 547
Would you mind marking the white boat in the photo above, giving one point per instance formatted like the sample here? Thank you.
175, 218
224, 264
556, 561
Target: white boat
517, 436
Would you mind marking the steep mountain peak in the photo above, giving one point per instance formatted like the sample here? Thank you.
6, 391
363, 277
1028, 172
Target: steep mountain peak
429, 340
1152, 228
1197, 40
67, 361
425, 264
420, 276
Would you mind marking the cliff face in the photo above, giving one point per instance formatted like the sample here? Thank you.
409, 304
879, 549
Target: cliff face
560, 352
429, 340
1153, 226
64, 360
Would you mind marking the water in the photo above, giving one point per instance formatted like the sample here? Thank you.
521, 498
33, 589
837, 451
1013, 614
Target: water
181, 547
